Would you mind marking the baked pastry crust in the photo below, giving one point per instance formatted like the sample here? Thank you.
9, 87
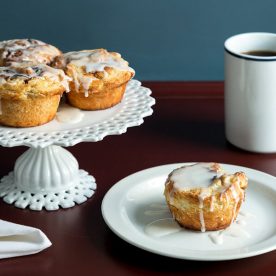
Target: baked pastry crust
97, 101
29, 96
99, 77
18, 52
211, 207
29, 112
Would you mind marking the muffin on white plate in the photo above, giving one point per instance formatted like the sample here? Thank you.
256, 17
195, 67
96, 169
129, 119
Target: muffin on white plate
204, 197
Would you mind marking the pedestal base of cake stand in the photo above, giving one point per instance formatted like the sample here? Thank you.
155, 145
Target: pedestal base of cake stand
47, 178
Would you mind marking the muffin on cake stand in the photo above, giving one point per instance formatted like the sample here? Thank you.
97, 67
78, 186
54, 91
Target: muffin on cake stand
47, 175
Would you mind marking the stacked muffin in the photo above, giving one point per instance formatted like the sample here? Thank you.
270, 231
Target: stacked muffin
34, 75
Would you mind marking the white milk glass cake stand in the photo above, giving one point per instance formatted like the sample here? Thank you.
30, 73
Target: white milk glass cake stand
47, 175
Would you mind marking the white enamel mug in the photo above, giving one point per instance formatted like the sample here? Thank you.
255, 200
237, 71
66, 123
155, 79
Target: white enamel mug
250, 92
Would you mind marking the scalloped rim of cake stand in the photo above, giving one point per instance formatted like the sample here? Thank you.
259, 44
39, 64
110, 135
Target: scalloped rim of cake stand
51, 201
96, 125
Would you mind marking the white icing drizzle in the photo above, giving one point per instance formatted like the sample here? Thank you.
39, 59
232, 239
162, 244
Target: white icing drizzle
202, 221
97, 60
93, 61
241, 221
201, 176
155, 212
29, 51
205, 192
234, 193
162, 227
2, 81
193, 176
60, 76
159, 206
167, 226
226, 198
35, 71
212, 203
246, 214
236, 198
86, 81
216, 237
236, 230
157, 209
69, 114
76, 80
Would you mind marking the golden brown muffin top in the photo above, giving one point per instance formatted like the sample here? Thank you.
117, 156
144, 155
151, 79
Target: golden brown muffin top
206, 190
96, 60
205, 179
16, 52
199, 175
95, 69
41, 79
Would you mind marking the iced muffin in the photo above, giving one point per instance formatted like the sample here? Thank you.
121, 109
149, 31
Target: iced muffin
203, 197
18, 52
99, 78
29, 96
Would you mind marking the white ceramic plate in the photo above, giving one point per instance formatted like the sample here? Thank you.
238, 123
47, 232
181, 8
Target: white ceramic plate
135, 210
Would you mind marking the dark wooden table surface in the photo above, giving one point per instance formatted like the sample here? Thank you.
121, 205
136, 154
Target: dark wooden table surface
187, 125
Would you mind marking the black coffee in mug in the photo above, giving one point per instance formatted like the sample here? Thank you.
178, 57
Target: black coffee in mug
260, 53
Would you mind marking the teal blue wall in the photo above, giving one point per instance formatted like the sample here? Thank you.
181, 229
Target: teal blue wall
162, 39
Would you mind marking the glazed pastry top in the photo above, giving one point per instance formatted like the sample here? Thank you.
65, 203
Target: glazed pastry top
93, 71
199, 175
16, 52
205, 179
96, 60
206, 182
35, 71
37, 79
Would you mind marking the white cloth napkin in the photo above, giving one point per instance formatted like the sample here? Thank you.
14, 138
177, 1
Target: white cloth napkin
19, 240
